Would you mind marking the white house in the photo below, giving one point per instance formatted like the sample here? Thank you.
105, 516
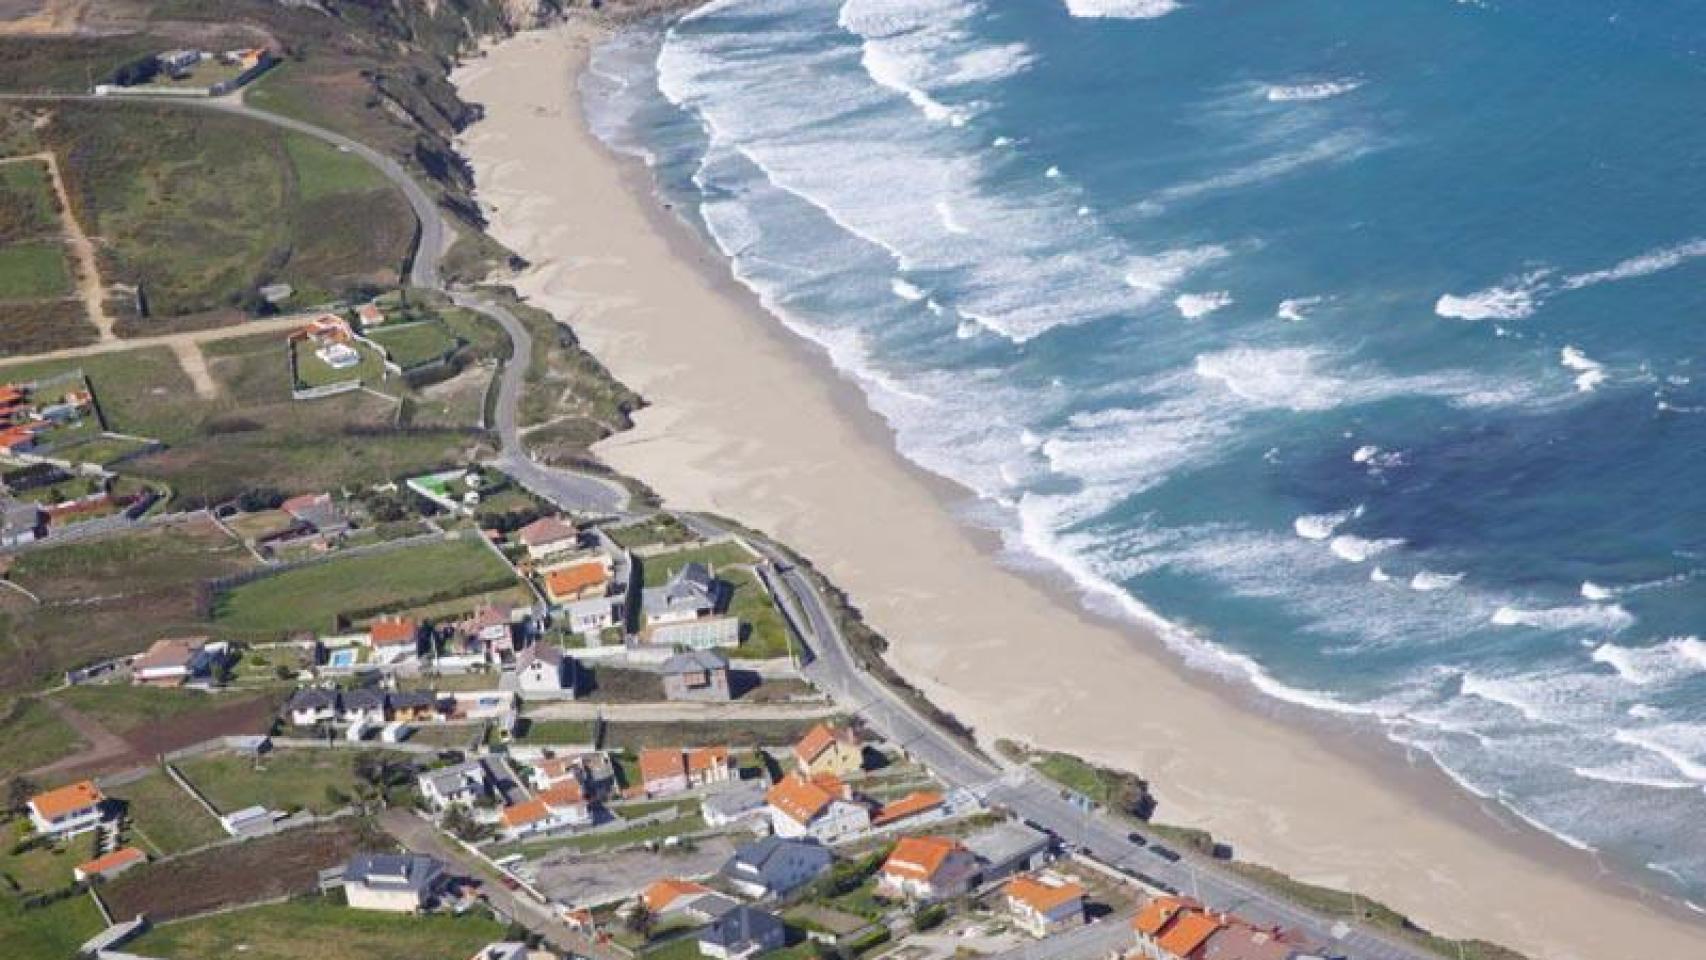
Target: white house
543, 669
362, 706
398, 883
564, 805
312, 706
927, 868
175, 661
463, 784
819, 807
548, 537
689, 595
68, 810
1044, 904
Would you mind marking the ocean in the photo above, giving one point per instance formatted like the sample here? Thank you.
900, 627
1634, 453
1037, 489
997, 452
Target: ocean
1351, 344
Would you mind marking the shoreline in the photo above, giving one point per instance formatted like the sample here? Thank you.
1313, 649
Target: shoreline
765, 436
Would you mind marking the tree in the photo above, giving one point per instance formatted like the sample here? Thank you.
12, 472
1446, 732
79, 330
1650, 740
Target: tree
640, 919
19, 790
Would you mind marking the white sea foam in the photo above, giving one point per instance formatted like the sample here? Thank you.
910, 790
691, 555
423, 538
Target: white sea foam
1644, 265
1621, 775
1589, 373
1515, 300
921, 50
1426, 581
1194, 306
1358, 549
1053, 173
1122, 9
1609, 618
1320, 526
1682, 745
1672, 660
1158, 272
1340, 147
1318, 90
1297, 308
1377, 575
906, 290
1593, 591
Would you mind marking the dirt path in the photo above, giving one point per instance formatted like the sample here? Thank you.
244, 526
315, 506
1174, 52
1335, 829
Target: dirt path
99, 743
170, 340
195, 367
89, 286
55, 18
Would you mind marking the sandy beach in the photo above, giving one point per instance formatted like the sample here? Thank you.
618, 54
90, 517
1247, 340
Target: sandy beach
751, 422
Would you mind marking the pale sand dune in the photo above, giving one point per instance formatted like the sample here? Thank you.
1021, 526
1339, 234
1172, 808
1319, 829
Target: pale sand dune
749, 422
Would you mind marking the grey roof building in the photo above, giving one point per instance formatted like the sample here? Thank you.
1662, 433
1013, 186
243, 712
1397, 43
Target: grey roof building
774, 866
20, 522
742, 932
389, 881
463, 783
696, 675
690, 594
740, 801
1007, 848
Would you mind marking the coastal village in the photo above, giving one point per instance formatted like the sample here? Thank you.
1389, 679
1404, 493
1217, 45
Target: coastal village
331, 636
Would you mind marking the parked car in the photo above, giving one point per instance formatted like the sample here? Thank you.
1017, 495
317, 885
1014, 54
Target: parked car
1164, 853
1137, 840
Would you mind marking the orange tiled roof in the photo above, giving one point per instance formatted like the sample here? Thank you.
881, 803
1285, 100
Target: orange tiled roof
392, 632
526, 812
1159, 912
661, 894
565, 794
704, 758
1042, 896
657, 764
919, 858
111, 861
1188, 933
571, 580
802, 799
821, 738
67, 799
556, 768
546, 530
910, 805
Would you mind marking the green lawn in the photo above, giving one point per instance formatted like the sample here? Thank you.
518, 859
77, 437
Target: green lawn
27, 206
164, 818
415, 344
281, 780
316, 928
765, 633
34, 271
313, 597
660, 568
43, 868
555, 731
52, 933
659, 529
323, 170
311, 371
31, 735
637, 734
122, 707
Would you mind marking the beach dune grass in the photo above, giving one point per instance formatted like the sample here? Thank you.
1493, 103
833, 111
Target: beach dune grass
34, 270
320, 927
313, 597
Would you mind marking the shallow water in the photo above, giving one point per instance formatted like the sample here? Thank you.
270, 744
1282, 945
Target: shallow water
1356, 340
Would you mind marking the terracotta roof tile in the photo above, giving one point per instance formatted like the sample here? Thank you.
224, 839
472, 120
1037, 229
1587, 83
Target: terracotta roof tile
1043, 896
911, 805
919, 858
67, 799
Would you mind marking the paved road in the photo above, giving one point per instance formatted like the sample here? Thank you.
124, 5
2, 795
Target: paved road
832, 666
1108, 935
419, 836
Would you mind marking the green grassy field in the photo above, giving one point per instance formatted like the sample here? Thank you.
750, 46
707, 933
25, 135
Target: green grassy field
637, 734
416, 344
659, 568
764, 632
31, 735
163, 817
312, 597
121, 707
202, 208
108, 597
43, 868
27, 206
34, 270
555, 731
313, 928
311, 371
282, 780
50, 933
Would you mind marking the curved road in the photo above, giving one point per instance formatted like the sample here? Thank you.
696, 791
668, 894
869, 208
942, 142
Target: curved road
833, 666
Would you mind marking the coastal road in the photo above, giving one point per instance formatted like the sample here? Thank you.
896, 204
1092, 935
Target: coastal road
835, 669
833, 666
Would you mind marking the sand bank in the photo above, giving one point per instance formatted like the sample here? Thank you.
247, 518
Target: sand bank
751, 422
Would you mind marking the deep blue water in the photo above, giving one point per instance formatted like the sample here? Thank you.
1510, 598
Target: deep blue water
1354, 339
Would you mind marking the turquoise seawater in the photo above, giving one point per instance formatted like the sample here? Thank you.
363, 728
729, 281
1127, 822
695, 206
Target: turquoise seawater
1354, 341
